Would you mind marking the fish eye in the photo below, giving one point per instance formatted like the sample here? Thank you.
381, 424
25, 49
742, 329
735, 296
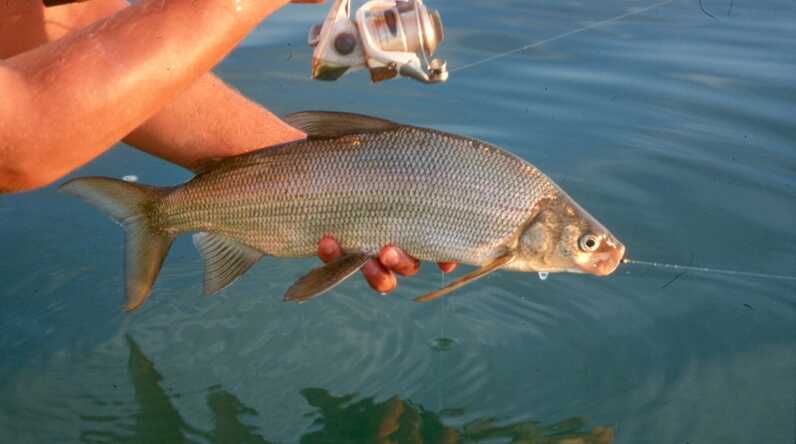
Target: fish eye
589, 243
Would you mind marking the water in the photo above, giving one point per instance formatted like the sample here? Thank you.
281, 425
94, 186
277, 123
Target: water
673, 128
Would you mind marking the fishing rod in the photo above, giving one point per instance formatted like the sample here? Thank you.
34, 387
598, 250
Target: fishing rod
395, 37
389, 38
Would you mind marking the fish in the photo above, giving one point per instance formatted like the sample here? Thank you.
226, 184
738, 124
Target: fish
368, 182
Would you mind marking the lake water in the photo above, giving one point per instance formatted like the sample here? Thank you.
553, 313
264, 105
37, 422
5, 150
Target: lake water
674, 128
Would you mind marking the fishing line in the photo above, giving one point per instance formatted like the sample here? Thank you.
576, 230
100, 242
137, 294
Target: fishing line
441, 375
561, 36
710, 270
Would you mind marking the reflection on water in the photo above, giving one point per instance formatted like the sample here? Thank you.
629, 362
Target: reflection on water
157, 420
345, 419
336, 419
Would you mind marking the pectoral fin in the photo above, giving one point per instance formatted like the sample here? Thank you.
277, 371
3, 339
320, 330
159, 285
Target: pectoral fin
469, 277
322, 279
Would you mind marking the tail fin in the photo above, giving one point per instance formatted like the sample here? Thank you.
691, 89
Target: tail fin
130, 205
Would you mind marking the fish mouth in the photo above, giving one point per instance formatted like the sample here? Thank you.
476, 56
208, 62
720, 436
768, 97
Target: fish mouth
605, 262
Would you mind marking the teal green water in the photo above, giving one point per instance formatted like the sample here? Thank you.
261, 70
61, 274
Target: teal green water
675, 129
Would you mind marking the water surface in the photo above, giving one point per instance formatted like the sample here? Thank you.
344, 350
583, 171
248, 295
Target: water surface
674, 128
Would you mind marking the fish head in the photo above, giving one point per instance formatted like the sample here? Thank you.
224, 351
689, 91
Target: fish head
562, 236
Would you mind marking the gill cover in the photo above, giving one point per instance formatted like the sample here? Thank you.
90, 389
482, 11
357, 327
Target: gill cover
563, 236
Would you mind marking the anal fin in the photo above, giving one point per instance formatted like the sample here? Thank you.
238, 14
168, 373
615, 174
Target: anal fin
496, 264
225, 259
323, 279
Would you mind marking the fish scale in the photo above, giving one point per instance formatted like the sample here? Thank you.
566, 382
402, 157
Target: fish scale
439, 197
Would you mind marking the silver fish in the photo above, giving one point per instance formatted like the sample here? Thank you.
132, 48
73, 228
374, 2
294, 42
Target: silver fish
367, 182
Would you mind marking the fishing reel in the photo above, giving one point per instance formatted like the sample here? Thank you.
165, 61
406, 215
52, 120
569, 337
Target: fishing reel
388, 37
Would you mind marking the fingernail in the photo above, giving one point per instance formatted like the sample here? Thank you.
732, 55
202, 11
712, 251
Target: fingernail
390, 258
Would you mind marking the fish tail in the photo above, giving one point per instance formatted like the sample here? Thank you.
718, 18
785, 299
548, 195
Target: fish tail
133, 207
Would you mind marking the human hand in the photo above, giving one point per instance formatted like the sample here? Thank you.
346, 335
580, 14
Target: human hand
380, 272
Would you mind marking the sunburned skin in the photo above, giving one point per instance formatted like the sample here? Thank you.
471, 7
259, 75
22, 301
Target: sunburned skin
107, 53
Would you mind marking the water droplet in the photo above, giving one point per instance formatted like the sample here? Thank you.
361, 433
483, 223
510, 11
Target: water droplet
442, 344
130, 178
543, 275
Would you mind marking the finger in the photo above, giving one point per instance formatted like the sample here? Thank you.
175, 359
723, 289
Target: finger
379, 278
447, 267
394, 259
329, 249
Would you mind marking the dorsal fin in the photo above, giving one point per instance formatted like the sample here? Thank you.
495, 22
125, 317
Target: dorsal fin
329, 124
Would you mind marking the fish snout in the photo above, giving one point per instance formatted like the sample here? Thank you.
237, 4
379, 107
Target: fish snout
606, 260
